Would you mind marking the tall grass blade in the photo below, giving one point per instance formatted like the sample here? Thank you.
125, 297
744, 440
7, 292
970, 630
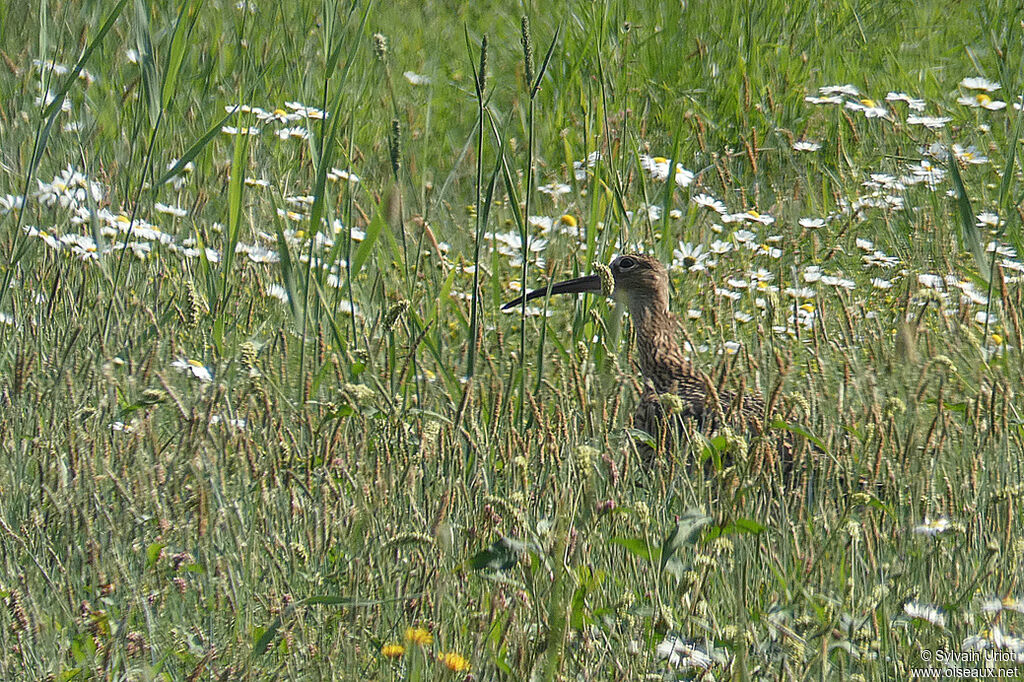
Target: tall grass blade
193, 151
373, 230
969, 232
535, 87
147, 62
76, 70
236, 184
175, 55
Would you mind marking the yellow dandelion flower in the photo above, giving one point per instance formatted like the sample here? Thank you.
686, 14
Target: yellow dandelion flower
454, 662
420, 636
392, 651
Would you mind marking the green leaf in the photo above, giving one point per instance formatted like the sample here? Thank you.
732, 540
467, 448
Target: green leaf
876, 503
235, 185
738, 526
636, 546
58, 96
544, 65
685, 532
175, 55
153, 553
675, 568
576, 618
147, 64
373, 231
642, 436
193, 151
1004, 186
969, 232
800, 431
295, 301
334, 116
446, 292
267, 636
502, 555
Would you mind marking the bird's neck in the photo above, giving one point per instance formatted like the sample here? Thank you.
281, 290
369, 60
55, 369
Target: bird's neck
651, 316
660, 357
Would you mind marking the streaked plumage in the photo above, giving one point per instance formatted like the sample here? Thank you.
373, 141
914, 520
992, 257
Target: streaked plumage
642, 283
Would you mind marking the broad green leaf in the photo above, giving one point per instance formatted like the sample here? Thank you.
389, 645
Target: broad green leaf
642, 436
685, 532
153, 553
800, 431
502, 555
636, 546
738, 526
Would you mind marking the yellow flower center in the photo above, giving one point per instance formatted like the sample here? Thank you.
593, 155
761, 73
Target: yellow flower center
419, 636
868, 102
568, 220
454, 662
982, 98
392, 651
660, 159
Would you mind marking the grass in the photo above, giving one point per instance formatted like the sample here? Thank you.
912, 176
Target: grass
218, 461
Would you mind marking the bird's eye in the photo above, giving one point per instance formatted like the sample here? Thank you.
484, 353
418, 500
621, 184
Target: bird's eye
627, 263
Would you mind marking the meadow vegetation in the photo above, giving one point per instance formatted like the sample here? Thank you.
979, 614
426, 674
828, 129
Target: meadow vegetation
261, 415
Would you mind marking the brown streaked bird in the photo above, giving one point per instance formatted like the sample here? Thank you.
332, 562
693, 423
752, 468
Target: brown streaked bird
642, 283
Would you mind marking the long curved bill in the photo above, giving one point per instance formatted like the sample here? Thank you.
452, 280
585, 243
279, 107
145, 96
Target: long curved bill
588, 284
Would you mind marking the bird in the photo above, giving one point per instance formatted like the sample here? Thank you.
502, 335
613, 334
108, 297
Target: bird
641, 282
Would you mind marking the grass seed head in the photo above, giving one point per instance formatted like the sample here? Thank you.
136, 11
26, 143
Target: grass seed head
482, 72
394, 314
527, 41
607, 280
380, 47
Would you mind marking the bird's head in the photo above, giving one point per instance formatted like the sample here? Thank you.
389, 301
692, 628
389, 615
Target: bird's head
639, 280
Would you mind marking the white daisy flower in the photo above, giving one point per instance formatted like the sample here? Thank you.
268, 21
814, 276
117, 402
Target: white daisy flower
933, 527
925, 612
979, 84
193, 367
416, 79
806, 146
